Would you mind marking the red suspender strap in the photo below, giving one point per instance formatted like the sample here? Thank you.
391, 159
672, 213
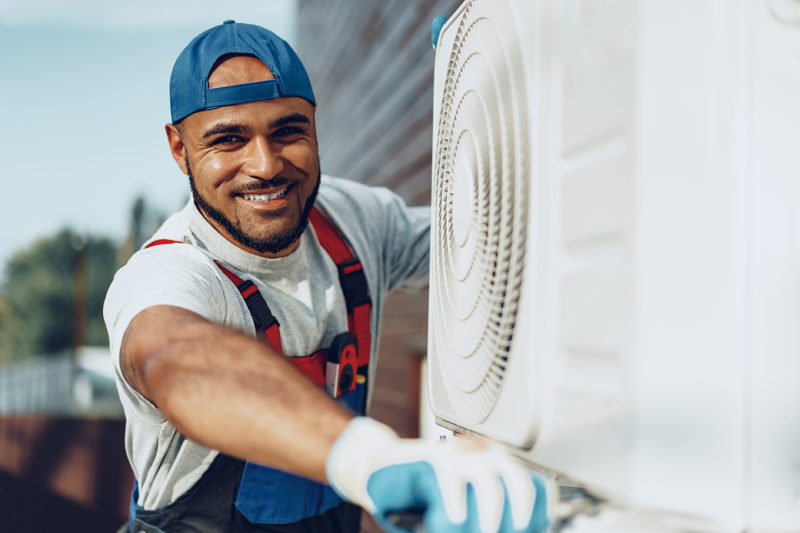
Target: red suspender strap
266, 324
354, 287
159, 242
351, 279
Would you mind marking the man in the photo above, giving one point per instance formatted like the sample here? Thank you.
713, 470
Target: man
237, 322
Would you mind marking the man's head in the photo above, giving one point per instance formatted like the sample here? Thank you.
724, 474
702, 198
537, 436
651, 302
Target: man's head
243, 131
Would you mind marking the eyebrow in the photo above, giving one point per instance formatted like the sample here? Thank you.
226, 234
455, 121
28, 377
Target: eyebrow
226, 127
289, 119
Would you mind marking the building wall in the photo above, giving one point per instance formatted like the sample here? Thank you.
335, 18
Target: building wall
371, 65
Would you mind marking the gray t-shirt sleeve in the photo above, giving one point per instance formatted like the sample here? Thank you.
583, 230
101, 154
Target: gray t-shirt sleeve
172, 274
406, 242
379, 220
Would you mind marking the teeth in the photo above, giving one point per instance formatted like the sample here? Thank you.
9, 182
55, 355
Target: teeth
265, 197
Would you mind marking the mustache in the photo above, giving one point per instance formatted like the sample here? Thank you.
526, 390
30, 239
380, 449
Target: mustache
258, 184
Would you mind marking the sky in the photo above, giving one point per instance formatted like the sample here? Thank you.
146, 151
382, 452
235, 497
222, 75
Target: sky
84, 96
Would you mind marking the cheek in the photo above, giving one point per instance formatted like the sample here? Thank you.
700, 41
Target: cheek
301, 155
212, 171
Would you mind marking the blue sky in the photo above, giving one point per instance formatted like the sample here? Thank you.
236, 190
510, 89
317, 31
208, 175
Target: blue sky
84, 96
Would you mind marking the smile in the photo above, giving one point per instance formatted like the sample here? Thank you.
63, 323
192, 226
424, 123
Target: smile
266, 197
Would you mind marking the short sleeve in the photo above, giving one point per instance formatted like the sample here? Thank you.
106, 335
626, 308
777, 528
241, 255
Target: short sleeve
407, 243
396, 235
175, 274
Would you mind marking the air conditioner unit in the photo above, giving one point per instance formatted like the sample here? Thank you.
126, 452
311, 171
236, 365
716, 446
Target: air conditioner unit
615, 272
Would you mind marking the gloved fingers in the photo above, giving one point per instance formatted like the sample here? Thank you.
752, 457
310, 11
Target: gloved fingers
539, 521
490, 499
520, 492
535, 521
463, 486
481, 485
452, 484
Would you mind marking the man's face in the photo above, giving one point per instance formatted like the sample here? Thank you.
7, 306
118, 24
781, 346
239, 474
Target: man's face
254, 167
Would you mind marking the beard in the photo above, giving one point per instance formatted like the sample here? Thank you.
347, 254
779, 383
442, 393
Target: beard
272, 244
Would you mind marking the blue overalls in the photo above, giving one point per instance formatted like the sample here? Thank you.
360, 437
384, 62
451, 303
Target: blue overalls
236, 495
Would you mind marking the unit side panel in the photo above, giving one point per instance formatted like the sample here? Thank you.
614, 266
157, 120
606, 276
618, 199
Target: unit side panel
690, 292
591, 181
774, 432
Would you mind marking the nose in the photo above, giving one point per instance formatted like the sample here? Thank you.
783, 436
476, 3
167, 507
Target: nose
261, 160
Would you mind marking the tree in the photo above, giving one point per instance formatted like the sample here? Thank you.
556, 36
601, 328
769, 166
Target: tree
38, 300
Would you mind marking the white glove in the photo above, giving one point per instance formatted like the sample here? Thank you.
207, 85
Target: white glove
458, 485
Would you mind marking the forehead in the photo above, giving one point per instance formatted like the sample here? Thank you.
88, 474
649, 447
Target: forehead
235, 70
255, 116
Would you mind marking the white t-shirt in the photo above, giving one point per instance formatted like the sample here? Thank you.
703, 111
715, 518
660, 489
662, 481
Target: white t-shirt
302, 290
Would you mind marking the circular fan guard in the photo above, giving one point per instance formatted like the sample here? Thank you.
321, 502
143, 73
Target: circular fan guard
480, 200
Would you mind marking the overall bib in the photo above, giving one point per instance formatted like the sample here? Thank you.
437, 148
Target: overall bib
236, 495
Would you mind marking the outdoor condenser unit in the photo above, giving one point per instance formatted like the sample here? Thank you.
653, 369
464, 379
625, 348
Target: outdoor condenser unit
615, 274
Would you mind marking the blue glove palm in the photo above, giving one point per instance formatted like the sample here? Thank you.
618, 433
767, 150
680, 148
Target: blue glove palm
414, 486
457, 486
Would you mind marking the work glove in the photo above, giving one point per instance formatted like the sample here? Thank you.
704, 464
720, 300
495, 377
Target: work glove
456, 485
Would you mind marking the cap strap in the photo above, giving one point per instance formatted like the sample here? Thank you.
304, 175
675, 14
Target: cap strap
242, 93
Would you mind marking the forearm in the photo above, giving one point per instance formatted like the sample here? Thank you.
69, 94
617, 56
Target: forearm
230, 392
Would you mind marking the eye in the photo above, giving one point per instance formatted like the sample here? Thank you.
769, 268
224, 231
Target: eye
227, 140
287, 131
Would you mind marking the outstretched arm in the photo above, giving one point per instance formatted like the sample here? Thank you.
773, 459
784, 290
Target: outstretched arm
230, 392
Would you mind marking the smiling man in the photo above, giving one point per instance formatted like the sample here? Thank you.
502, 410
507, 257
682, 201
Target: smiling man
243, 332
259, 163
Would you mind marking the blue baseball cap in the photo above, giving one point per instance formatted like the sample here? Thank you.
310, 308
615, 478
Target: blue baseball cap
188, 85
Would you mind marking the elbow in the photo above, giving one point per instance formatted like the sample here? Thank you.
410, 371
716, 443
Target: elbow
161, 373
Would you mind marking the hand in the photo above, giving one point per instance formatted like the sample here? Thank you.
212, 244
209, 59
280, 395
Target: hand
458, 486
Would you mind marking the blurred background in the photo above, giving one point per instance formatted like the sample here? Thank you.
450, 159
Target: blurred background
87, 177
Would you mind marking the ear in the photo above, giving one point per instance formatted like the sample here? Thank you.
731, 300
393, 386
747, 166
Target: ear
177, 147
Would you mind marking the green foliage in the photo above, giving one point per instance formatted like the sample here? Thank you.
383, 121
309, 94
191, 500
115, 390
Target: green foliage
7, 325
37, 301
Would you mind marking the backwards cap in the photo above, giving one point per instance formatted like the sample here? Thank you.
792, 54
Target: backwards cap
188, 85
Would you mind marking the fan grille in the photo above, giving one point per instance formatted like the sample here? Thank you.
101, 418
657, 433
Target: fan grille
480, 199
